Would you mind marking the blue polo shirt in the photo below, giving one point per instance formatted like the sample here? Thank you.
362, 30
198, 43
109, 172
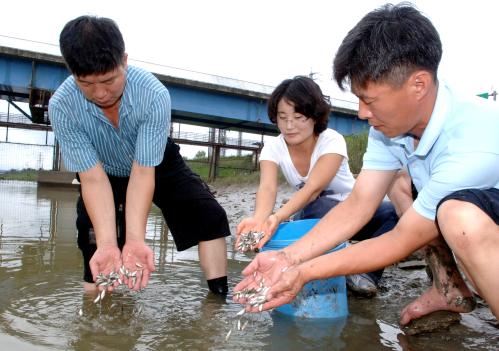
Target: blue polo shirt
459, 149
87, 137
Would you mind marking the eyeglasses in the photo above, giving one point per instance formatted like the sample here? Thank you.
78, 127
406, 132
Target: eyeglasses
300, 119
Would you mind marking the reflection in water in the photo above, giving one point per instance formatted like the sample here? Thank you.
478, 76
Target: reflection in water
299, 334
41, 276
388, 334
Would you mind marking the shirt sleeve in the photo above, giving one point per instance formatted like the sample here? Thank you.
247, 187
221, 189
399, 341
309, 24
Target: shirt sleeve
270, 151
153, 132
332, 143
378, 155
456, 172
78, 153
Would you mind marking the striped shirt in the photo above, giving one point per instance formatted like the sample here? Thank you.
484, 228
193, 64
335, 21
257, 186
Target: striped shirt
87, 137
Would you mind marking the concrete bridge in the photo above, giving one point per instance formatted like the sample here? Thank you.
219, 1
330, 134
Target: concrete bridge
198, 99
32, 77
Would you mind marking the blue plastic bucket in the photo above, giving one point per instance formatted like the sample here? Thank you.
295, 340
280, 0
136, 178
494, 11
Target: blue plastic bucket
326, 298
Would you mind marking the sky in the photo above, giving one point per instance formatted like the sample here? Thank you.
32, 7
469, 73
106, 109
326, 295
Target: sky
264, 41
261, 41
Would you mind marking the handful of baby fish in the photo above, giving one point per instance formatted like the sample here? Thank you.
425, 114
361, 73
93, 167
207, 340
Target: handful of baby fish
253, 298
249, 240
104, 280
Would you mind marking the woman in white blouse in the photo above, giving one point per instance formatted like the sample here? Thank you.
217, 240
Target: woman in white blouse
314, 161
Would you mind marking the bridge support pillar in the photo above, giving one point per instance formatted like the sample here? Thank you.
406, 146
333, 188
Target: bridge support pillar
214, 161
56, 157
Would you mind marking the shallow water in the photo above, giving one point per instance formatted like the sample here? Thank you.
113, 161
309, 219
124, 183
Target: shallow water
41, 294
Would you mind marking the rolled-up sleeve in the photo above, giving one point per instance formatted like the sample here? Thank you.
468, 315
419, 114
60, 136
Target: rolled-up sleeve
270, 152
78, 153
378, 155
458, 171
153, 132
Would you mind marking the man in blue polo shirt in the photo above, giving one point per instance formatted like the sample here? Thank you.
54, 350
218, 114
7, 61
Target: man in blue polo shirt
449, 146
112, 122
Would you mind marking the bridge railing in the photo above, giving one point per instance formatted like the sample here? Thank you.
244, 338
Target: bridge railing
14, 118
17, 118
217, 138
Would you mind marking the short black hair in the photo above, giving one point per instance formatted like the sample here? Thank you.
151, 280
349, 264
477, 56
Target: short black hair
92, 45
307, 98
387, 46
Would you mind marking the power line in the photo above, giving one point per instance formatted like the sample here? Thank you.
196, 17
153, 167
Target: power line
29, 40
311, 74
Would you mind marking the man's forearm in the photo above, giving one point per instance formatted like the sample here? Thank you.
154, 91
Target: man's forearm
340, 224
410, 234
138, 201
345, 219
99, 202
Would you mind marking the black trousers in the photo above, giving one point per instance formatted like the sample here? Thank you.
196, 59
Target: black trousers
188, 207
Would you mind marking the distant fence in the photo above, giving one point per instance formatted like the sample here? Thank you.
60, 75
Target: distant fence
23, 146
14, 118
14, 156
215, 138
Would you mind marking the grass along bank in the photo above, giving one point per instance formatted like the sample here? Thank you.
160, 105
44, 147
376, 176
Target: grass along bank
240, 169
356, 147
24, 174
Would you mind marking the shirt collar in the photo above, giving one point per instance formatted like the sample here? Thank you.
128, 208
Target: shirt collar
432, 130
125, 104
405, 141
126, 99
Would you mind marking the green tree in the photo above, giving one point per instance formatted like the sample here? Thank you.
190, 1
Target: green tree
200, 154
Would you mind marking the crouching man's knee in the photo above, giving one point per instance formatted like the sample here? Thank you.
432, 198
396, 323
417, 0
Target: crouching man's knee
463, 221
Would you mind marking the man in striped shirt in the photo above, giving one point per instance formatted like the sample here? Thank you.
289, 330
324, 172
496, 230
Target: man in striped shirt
112, 123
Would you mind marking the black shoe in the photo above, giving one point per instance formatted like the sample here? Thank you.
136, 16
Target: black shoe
218, 285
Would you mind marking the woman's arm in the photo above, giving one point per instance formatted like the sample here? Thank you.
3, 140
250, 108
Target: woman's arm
267, 190
322, 173
265, 199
